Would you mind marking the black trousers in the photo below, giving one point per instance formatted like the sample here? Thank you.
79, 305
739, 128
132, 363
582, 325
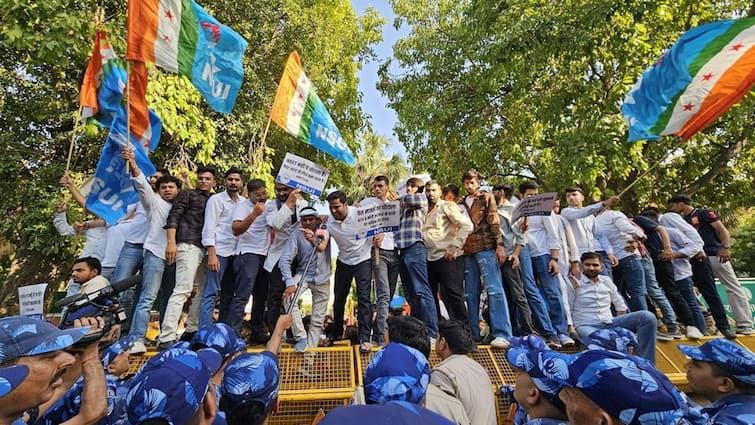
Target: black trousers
362, 274
702, 276
447, 277
519, 309
664, 273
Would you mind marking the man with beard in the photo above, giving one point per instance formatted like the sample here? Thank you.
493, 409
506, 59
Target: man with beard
218, 239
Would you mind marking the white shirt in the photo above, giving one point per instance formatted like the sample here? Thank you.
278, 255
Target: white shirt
582, 225
256, 239
351, 251
542, 235
283, 222
618, 232
116, 235
387, 243
96, 238
218, 214
569, 251
137, 232
677, 222
157, 209
683, 245
591, 301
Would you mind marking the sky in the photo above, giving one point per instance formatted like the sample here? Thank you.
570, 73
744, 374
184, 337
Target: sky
374, 103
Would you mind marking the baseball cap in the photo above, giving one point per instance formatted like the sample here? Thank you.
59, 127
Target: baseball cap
626, 387
172, 385
250, 377
525, 354
11, 377
115, 349
734, 359
615, 339
218, 336
394, 412
24, 336
397, 372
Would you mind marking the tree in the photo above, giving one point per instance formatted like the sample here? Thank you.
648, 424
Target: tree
533, 90
372, 162
743, 244
43, 54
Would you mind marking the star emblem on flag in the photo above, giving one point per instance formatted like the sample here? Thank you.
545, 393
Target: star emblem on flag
168, 15
707, 76
737, 46
688, 107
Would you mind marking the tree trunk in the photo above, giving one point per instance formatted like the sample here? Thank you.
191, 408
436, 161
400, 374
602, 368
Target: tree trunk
717, 166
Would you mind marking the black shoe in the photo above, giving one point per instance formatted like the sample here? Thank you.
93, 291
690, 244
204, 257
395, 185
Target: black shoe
187, 336
728, 334
162, 346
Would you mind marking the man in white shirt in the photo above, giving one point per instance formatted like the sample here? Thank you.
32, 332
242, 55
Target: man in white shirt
353, 263
156, 206
218, 239
621, 240
591, 298
253, 233
386, 269
582, 223
282, 217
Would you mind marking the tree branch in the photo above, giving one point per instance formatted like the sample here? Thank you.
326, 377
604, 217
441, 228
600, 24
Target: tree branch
718, 165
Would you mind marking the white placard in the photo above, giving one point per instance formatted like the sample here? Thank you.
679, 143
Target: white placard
378, 218
302, 174
541, 204
31, 300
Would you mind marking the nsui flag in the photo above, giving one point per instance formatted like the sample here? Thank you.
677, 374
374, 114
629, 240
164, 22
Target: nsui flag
299, 111
709, 69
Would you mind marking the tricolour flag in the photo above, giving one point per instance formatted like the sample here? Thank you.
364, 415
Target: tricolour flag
705, 72
299, 111
180, 36
102, 90
112, 188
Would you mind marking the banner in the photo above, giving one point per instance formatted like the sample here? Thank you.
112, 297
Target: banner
302, 174
378, 218
541, 204
31, 300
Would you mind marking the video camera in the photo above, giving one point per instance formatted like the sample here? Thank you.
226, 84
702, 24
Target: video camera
103, 302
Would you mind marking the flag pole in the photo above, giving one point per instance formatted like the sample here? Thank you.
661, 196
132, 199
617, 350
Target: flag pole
128, 109
643, 175
76, 124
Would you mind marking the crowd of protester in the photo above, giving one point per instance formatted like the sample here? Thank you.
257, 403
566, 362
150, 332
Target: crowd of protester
470, 273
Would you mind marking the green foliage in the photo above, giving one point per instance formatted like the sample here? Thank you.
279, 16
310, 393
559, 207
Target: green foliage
372, 162
43, 54
533, 89
743, 245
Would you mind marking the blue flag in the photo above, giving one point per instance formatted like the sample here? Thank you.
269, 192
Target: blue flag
113, 189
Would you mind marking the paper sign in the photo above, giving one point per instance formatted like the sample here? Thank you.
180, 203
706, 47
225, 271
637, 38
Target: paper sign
302, 174
541, 204
378, 218
31, 300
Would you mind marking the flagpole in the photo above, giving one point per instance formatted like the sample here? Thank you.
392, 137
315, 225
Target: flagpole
76, 124
643, 175
128, 109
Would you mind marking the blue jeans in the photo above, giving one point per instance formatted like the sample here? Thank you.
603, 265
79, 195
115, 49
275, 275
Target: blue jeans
685, 288
129, 262
534, 298
643, 323
152, 277
413, 271
630, 280
211, 287
551, 287
606, 264
657, 295
483, 266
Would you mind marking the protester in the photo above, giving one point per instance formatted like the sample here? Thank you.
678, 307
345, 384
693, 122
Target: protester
723, 372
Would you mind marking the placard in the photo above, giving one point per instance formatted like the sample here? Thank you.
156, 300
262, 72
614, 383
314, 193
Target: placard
302, 174
378, 218
541, 204
31, 300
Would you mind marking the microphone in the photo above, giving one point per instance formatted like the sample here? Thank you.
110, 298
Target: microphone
320, 233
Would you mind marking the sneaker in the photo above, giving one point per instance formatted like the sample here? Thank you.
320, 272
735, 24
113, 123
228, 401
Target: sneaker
137, 349
500, 342
301, 345
676, 333
662, 336
745, 330
729, 334
694, 333
553, 343
162, 346
566, 340
365, 347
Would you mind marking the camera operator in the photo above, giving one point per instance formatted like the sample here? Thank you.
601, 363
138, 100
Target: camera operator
86, 273
55, 362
